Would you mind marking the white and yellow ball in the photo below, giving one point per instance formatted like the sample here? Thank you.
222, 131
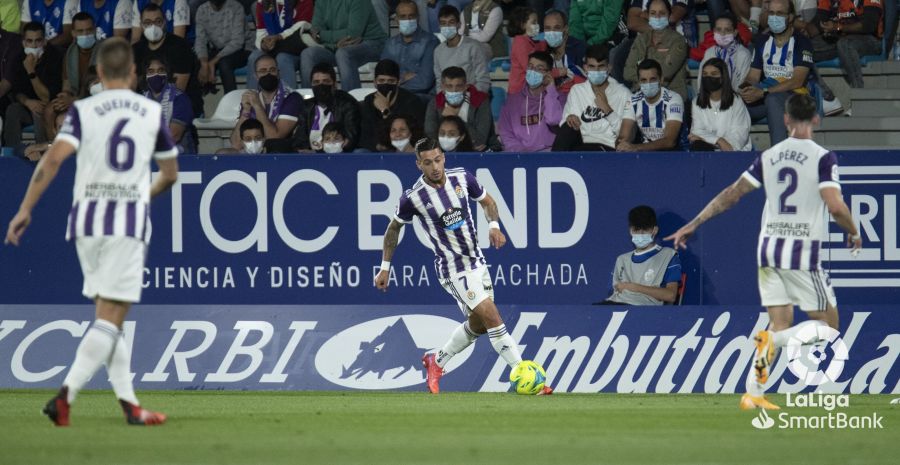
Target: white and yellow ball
527, 378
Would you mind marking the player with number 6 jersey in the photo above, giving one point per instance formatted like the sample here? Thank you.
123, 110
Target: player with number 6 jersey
114, 136
440, 199
802, 187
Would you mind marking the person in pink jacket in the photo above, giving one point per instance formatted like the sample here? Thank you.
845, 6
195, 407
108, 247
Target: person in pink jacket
524, 29
528, 115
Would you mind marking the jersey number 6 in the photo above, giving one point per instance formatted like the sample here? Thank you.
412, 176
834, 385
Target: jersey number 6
116, 143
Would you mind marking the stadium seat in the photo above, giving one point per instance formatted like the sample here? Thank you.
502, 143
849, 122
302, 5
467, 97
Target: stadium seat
679, 298
498, 98
361, 93
226, 113
693, 64
503, 63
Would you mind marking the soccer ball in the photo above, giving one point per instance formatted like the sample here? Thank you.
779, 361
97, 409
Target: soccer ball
527, 378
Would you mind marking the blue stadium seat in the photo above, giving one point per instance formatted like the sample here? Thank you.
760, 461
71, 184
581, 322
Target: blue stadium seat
890, 27
28, 129
693, 64
498, 98
503, 63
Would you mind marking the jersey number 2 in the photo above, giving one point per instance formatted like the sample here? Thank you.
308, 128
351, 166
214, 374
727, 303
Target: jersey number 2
119, 142
788, 175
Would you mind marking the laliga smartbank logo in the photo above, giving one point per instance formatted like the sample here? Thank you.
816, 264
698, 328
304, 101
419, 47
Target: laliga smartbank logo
805, 361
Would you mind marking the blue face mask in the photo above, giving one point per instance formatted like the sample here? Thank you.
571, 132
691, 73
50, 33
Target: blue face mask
533, 78
454, 98
554, 38
597, 77
87, 41
650, 89
641, 240
448, 32
777, 24
659, 23
408, 26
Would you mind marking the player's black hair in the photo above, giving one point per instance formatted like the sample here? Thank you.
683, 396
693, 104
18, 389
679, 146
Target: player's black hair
249, 124
727, 92
323, 68
465, 142
387, 67
448, 10
650, 63
517, 19
427, 144
336, 127
544, 57
642, 217
83, 16
801, 108
560, 13
599, 52
151, 7
453, 72
33, 27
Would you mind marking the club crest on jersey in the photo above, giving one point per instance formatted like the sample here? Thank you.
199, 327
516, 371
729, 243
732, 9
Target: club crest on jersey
648, 275
56, 12
470, 295
460, 192
452, 219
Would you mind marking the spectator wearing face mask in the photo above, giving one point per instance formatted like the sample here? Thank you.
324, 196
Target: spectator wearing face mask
328, 105
524, 29
459, 51
664, 45
453, 135
80, 56
458, 98
388, 99
334, 138
253, 137
649, 274
221, 41
730, 50
596, 109
176, 105
567, 52
720, 121
34, 84
111, 17
528, 116
402, 133
413, 50
658, 114
482, 21
274, 105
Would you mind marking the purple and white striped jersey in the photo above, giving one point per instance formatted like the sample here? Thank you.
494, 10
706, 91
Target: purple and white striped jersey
445, 213
795, 218
115, 134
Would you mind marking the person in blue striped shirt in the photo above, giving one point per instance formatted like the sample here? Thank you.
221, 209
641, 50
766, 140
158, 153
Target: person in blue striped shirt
658, 113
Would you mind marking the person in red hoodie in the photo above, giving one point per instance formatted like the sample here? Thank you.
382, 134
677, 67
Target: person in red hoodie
524, 29
458, 98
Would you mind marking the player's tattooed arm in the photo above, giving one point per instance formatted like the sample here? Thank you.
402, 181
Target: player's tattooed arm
391, 239
490, 208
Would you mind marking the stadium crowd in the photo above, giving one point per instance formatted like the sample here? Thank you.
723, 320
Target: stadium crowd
599, 75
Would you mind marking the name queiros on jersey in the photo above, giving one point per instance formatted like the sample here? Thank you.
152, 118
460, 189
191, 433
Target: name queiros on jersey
338, 275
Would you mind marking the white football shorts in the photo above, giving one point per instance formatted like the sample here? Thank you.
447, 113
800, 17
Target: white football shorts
470, 289
113, 267
810, 290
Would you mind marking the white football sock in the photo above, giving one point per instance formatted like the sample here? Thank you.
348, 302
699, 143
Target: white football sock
119, 369
505, 345
781, 338
94, 350
462, 337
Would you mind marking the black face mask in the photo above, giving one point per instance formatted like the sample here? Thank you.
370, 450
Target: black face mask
385, 89
268, 83
711, 84
323, 93
217, 3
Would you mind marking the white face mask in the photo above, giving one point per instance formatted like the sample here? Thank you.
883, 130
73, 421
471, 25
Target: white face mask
448, 143
533, 30
36, 51
96, 88
253, 146
333, 147
153, 33
400, 144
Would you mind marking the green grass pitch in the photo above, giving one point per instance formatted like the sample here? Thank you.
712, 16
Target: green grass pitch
216, 427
